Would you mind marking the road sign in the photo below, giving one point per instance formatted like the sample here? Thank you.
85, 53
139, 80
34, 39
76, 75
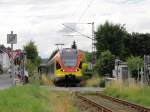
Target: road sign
11, 38
14, 54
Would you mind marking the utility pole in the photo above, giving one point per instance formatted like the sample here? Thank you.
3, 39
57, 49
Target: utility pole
93, 45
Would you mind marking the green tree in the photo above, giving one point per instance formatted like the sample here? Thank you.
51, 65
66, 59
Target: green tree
105, 63
134, 63
139, 44
111, 37
88, 56
32, 52
30, 67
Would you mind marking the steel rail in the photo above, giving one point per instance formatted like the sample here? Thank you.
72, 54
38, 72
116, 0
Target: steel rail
126, 103
98, 106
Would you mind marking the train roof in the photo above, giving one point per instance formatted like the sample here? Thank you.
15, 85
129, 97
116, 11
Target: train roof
60, 51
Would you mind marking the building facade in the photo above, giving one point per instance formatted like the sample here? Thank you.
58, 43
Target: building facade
4, 60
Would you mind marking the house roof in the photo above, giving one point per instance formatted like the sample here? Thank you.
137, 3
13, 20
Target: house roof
1, 51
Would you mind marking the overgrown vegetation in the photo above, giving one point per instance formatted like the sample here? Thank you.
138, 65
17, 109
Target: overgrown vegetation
33, 59
30, 67
134, 64
94, 81
46, 81
35, 99
88, 56
32, 53
133, 93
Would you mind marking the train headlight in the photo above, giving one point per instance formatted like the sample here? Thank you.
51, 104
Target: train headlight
62, 70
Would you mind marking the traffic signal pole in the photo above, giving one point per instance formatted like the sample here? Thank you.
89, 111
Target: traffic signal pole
12, 65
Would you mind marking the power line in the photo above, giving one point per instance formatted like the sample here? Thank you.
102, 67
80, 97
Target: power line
77, 31
77, 8
90, 3
92, 38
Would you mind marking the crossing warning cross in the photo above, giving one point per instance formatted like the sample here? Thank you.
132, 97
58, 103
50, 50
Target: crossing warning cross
14, 54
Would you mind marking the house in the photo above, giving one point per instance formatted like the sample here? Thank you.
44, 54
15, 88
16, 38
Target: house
4, 60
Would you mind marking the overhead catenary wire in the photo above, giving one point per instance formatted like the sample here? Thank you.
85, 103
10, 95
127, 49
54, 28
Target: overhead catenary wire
86, 9
77, 8
77, 31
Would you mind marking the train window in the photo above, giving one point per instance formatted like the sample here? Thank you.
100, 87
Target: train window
69, 57
58, 65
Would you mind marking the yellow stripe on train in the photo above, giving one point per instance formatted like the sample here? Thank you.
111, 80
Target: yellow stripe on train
59, 73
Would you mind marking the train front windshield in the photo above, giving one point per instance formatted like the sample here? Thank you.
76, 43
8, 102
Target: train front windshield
69, 57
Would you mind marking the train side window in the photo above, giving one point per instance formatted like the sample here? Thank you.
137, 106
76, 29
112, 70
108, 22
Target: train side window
58, 65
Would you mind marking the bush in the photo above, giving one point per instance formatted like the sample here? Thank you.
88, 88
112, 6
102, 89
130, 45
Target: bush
30, 67
85, 71
102, 83
133, 64
105, 63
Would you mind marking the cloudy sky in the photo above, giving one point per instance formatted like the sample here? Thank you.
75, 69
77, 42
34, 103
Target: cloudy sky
41, 20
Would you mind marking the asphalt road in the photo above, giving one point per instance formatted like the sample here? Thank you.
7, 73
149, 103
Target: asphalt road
5, 81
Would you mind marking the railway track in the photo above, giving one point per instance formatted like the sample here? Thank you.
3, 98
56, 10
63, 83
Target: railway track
100, 108
126, 103
104, 103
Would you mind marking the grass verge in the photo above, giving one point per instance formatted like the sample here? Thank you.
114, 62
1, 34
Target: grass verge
134, 93
35, 99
